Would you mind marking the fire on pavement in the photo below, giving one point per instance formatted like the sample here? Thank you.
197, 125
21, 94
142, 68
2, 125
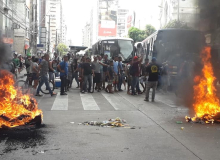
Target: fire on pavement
206, 103
16, 109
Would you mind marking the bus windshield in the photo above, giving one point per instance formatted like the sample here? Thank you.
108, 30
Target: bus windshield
126, 48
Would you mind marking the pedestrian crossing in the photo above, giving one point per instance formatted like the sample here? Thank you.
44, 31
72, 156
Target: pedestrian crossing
88, 102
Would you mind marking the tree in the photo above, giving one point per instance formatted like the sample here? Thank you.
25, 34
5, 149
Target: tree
62, 48
177, 24
149, 29
136, 34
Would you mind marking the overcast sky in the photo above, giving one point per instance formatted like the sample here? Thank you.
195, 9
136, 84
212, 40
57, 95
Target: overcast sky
77, 13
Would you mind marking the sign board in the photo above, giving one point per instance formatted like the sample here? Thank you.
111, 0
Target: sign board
8, 40
108, 18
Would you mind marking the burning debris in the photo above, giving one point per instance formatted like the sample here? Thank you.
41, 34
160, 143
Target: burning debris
206, 103
16, 109
110, 123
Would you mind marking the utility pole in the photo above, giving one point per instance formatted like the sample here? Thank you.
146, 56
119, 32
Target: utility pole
178, 10
36, 29
31, 26
48, 44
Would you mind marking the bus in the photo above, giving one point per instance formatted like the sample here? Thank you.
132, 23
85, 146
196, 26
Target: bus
173, 46
123, 47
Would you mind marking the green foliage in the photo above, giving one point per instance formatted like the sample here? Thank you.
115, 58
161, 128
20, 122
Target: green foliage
136, 34
139, 35
62, 48
177, 24
149, 29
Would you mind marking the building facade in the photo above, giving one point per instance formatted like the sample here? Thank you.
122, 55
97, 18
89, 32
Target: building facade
121, 22
186, 11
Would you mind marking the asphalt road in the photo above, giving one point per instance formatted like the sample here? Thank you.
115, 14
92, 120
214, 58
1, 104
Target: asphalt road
155, 134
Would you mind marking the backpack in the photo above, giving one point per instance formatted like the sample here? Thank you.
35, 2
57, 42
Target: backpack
131, 70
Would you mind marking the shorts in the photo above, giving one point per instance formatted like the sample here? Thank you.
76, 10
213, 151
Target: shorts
34, 76
97, 78
115, 80
51, 76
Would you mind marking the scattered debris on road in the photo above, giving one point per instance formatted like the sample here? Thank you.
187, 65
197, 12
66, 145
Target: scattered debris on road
117, 122
179, 122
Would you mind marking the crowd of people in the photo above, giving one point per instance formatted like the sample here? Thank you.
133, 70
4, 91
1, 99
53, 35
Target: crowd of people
102, 73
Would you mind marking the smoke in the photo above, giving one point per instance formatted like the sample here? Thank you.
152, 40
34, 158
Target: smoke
5, 54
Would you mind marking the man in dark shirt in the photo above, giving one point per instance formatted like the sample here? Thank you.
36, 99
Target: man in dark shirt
153, 72
87, 72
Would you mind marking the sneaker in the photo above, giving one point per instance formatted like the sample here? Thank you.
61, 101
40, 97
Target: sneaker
63, 94
83, 92
147, 100
77, 87
38, 95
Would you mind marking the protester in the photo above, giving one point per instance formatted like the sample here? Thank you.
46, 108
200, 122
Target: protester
81, 80
129, 77
97, 78
75, 73
58, 60
115, 67
143, 79
87, 72
110, 73
35, 73
44, 68
153, 72
101, 72
135, 72
20, 63
63, 68
51, 71
70, 72
120, 72
16, 60
28, 62
105, 69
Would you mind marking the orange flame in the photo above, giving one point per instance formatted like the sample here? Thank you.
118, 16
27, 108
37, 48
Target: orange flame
206, 101
16, 109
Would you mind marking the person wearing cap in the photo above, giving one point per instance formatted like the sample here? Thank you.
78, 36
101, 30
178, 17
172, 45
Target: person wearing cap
135, 75
16, 60
153, 71
63, 68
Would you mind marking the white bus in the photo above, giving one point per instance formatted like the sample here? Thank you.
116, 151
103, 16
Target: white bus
112, 46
